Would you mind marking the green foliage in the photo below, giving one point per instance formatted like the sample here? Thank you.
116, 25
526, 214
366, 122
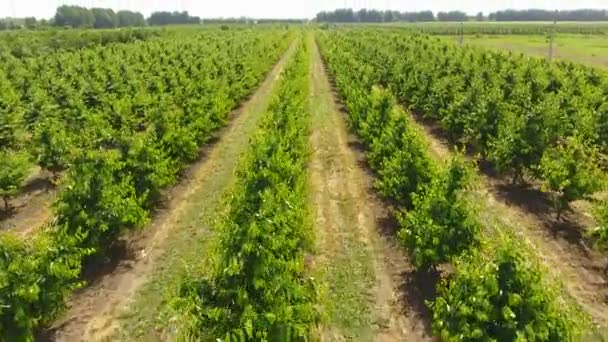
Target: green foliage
36, 276
602, 124
168, 18
258, 290
511, 150
129, 18
437, 221
571, 170
104, 18
401, 160
441, 224
11, 117
99, 200
381, 106
52, 146
600, 233
502, 298
14, 169
150, 167
514, 111
76, 16
123, 120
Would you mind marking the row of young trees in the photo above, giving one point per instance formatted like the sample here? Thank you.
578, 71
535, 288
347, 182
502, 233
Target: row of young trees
526, 116
495, 294
348, 15
120, 123
257, 289
26, 44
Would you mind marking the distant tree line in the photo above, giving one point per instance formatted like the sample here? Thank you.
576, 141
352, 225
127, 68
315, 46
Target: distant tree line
17, 23
171, 18
76, 16
452, 16
348, 15
543, 15
82, 17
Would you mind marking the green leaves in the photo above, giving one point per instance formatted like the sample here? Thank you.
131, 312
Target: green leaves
37, 275
510, 109
489, 295
600, 233
502, 298
122, 121
258, 290
52, 147
99, 199
571, 170
14, 168
436, 220
441, 223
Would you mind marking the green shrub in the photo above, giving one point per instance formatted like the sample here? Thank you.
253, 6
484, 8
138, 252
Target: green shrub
501, 298
441, 224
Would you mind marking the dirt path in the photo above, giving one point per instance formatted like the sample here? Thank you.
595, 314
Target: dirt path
31, 209
363, 268
559, 245
95, 312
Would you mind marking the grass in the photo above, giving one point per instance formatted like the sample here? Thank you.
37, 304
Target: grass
345, 260
586, 49
146, 317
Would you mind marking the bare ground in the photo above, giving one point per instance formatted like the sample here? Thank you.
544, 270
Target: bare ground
94, 313
559, 245
31, 209
372, 292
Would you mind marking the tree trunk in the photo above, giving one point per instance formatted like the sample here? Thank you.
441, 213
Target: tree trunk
54, 179
518, 178
5, 198
562, 205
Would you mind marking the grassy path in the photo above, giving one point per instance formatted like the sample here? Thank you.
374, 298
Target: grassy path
127, 297
362, 269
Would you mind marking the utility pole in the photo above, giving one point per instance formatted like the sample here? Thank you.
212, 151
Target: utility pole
461, 34
552, 37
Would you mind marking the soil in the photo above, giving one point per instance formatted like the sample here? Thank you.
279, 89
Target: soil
354, 234
31, 209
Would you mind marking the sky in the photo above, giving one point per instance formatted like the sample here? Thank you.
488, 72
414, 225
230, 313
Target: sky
284, 8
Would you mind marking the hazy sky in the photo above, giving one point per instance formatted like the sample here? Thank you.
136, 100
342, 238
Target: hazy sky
284, 8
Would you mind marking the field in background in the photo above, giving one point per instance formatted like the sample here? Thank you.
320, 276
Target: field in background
504, 27
581, 48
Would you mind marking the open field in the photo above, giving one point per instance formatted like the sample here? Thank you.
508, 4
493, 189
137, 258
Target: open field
333, 183
580, 48
504, 27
